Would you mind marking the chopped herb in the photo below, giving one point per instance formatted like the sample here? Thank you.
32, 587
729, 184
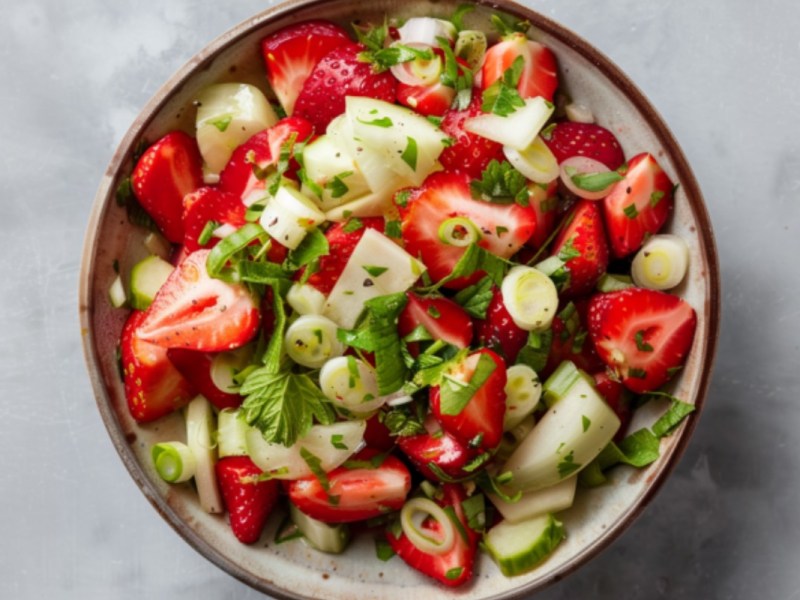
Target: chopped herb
207, 233
656, 197
456, 76
477, 462
594, 182
352, 367
353, 224
313, 246
337, 441
637, 373
568, 250
396, 54
676, 413
434, 312
393, 229
504, 29
500, 230
501, 183
458, 16
383, 549
474, 509
455, 394
502, 97
375, 271
409, 155
283, 162
401, 198
307, 182
630, 211
381, 122
373, 38
222, 122
337, 186
475, 299
419, 334
586, 423
642, 345
401, 422
568, 465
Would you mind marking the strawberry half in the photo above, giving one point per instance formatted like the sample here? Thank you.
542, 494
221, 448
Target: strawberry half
539, 74
341, 243
248, 499
618, 398
292, 53
570, 340
637, 206
582, 245
165, 173
498, 331
470, 153
438, 447
568, 139
480, 423
544, 202
204, 206
153, 386
642, 335
441, 317
192, 310
196, 368
504, 228
340, 73
454, 567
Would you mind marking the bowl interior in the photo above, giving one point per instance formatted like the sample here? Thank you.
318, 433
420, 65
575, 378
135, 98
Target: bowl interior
291, 570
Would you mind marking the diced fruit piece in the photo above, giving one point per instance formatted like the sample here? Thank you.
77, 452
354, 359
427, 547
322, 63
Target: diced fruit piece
567, 438
209, 210
530, 297
518, 548
311, 340
192, 310
200, 427
350, 383
551, 499
231, 434
454, 567
503, 228
228, 114
147, 277
292, 53
569, 139
165, 173
153, 386
472, 411
330, 165
321, 536
470, 153
289, 216
517, 130
523, 391
196, 367
116, 293
539, 75
248, 499
498, 331
582, 246
376, 267
438, 447
471, 47
432, 99
425, 30
642, 335
662, 262
442, 318
337, 75
358, 490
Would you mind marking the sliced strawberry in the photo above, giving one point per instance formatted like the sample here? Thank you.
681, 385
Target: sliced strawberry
480, 423
454, 567
196, 368
441, 317
248, 499
367, 486
637, 206
642, 335
194, 311
153, 386
504, 228
570, 340
342, 243
260, 152
377, 435
544, 201
582, 245
438, 447
618, 398
340, 73
568, 139
498, 332
426, 99
292, 53
469, 153
539, 74
165, 173
209, 204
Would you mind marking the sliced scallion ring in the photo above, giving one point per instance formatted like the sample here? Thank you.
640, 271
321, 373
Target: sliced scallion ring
530, 297
536, 162
311, 341
414, 513
662, 262
174, 461
459, 232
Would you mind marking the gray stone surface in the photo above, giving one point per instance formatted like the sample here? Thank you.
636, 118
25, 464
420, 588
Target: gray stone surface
723, 74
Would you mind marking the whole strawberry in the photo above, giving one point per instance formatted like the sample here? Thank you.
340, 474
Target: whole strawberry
248, 499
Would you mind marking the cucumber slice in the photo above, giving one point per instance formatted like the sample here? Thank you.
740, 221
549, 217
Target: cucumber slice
518, 548
228, 114
551, 499
523, 391
350, 383
517, 130
200, 423
332, 539
566, 439
147, 277
311, 340
530, 297
231, 434
289, 216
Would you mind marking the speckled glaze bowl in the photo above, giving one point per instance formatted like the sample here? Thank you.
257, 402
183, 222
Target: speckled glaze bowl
292, 570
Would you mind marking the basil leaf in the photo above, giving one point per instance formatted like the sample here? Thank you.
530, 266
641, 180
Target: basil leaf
313, 246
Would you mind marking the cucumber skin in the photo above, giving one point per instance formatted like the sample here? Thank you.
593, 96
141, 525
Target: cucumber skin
541, 549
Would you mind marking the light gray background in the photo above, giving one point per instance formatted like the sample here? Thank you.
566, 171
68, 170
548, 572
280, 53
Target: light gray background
73, 75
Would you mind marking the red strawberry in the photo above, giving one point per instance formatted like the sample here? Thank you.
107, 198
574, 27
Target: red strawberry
454, 567
341, 243
539, 75
196, 368
480, 423
442, 318
568, 139
377, 435
618, 398
292, 53
438, 447
340, 73
205, 205
642, 335
261, 151
582, 245
637, 206
165, 173
470, 153
504, 228
196, 312
248, 499
153, 386
544, 201
426, 99
570, 340
498, 331
358, 490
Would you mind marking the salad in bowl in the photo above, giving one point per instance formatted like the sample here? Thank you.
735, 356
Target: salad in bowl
400, 296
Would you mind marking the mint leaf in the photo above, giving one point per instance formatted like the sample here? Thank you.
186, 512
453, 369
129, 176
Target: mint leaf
409, 155
476, 298
641, 344
501, 183
375, 271
595, 182
353, 224
536, 350
455, 395
568, 466
314, 245
502, 97
384, 58
372, 37
676, 413
336, 186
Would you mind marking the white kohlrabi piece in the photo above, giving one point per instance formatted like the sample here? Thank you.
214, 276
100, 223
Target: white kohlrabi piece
377, 267
311, 340
426, 31
228, 114
332, 444
350, 383
289, 216
661, 263
551, 499
333, 169
523, 391
516, 130
374, 204
200, 425
530, 297
305, 299
536, 161
231, 434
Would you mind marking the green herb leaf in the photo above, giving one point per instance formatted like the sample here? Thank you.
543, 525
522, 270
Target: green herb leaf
506, 29
502, 97
474, 509
458, 16
656, 197
476, 298
207, 233
217, 263
586, 422
409, 155
314, 245
637, 373
400, 421
375, 271
393, 229
455, 395
641, 344
384, 58
595, 182
353, 224
676, 413
501, 183
337, 441
373, 38
383, 549
454, 573
630, 211
336, 186
568, 250
568, 466
536, 350
222, 122
284, 157
383, 122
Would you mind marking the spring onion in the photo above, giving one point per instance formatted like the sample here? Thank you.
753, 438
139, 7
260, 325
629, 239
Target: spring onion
530, 297
231, 434
226, 365
579, 113
199, 427
311, 340
459, 232
522, 394
536, 161
588, 178
662, 262
414, 513
305, 299
174, 461
351, 383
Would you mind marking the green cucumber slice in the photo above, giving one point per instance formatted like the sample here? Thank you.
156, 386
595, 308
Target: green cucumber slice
518, 548
147, 277
332, 539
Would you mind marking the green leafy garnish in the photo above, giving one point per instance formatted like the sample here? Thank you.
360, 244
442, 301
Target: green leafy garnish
458, 16
383, 122
314, 245
475, 299
474, 509
641, 344
207, 233
536, 350
502, 97
221, 123
455, 394
383, 549
393, 229
501, 183
586, 423
593, 182
568, 466
384, 58
337, 441
409, 155
336, 186
374, 271
353, 224
568, 250
373, 38
456, 76
454, 573
506, 29
284, 157
630, 211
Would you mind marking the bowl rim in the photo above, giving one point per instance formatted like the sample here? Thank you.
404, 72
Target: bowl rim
126, 146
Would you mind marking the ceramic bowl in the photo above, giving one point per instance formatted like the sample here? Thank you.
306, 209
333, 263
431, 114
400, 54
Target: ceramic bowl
292, 570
